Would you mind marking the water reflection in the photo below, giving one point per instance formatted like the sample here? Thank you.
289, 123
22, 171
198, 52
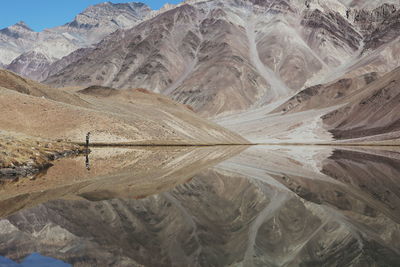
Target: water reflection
34, 260
87, 162
265, 206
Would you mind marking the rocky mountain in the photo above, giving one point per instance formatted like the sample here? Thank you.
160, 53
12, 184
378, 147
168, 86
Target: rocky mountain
350, 110
226, 56
374, 112
240, 61
14, 40
31, 64
30, 53
190, 51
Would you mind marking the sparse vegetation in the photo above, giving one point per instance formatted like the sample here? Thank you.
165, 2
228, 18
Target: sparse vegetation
22, 155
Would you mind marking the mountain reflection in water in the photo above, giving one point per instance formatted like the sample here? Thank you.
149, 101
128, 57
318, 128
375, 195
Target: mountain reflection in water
210, 206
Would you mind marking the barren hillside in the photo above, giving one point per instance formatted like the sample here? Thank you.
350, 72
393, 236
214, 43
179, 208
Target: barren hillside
128, 116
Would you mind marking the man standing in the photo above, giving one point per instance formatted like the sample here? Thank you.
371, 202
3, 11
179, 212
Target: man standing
87, 139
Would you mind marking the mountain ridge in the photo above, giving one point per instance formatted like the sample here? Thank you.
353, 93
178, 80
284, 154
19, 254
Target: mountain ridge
87, 28
310, 43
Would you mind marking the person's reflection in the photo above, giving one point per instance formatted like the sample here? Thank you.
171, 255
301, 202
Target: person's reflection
87, 161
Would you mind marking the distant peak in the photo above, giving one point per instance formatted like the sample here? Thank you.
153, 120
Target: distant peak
23, 25
107, 3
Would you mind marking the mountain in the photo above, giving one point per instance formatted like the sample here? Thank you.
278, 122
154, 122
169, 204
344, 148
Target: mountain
348, 110
31, 64
201, 52
30, 53
239, 61
14, 40
226, 56
134, 116
97, 21
373, 113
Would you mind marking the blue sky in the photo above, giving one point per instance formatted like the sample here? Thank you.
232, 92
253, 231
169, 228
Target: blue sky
41, 14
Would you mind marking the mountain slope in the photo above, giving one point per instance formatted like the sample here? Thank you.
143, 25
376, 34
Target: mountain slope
352, 110
133, 116
375, 111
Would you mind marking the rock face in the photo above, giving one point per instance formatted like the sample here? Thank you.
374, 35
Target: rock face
368, 20
30, 53
387, 30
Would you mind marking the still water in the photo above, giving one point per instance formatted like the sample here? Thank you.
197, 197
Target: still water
208, 206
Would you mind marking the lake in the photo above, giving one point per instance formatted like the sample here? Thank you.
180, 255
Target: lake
208, 206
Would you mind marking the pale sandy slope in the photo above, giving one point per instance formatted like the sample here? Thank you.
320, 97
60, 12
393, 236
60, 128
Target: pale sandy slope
128, 116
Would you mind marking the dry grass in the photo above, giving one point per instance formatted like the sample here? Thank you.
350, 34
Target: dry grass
18, 151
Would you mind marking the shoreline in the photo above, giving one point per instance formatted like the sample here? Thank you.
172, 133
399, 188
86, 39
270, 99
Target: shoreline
238, 144
31, 169
22, 156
